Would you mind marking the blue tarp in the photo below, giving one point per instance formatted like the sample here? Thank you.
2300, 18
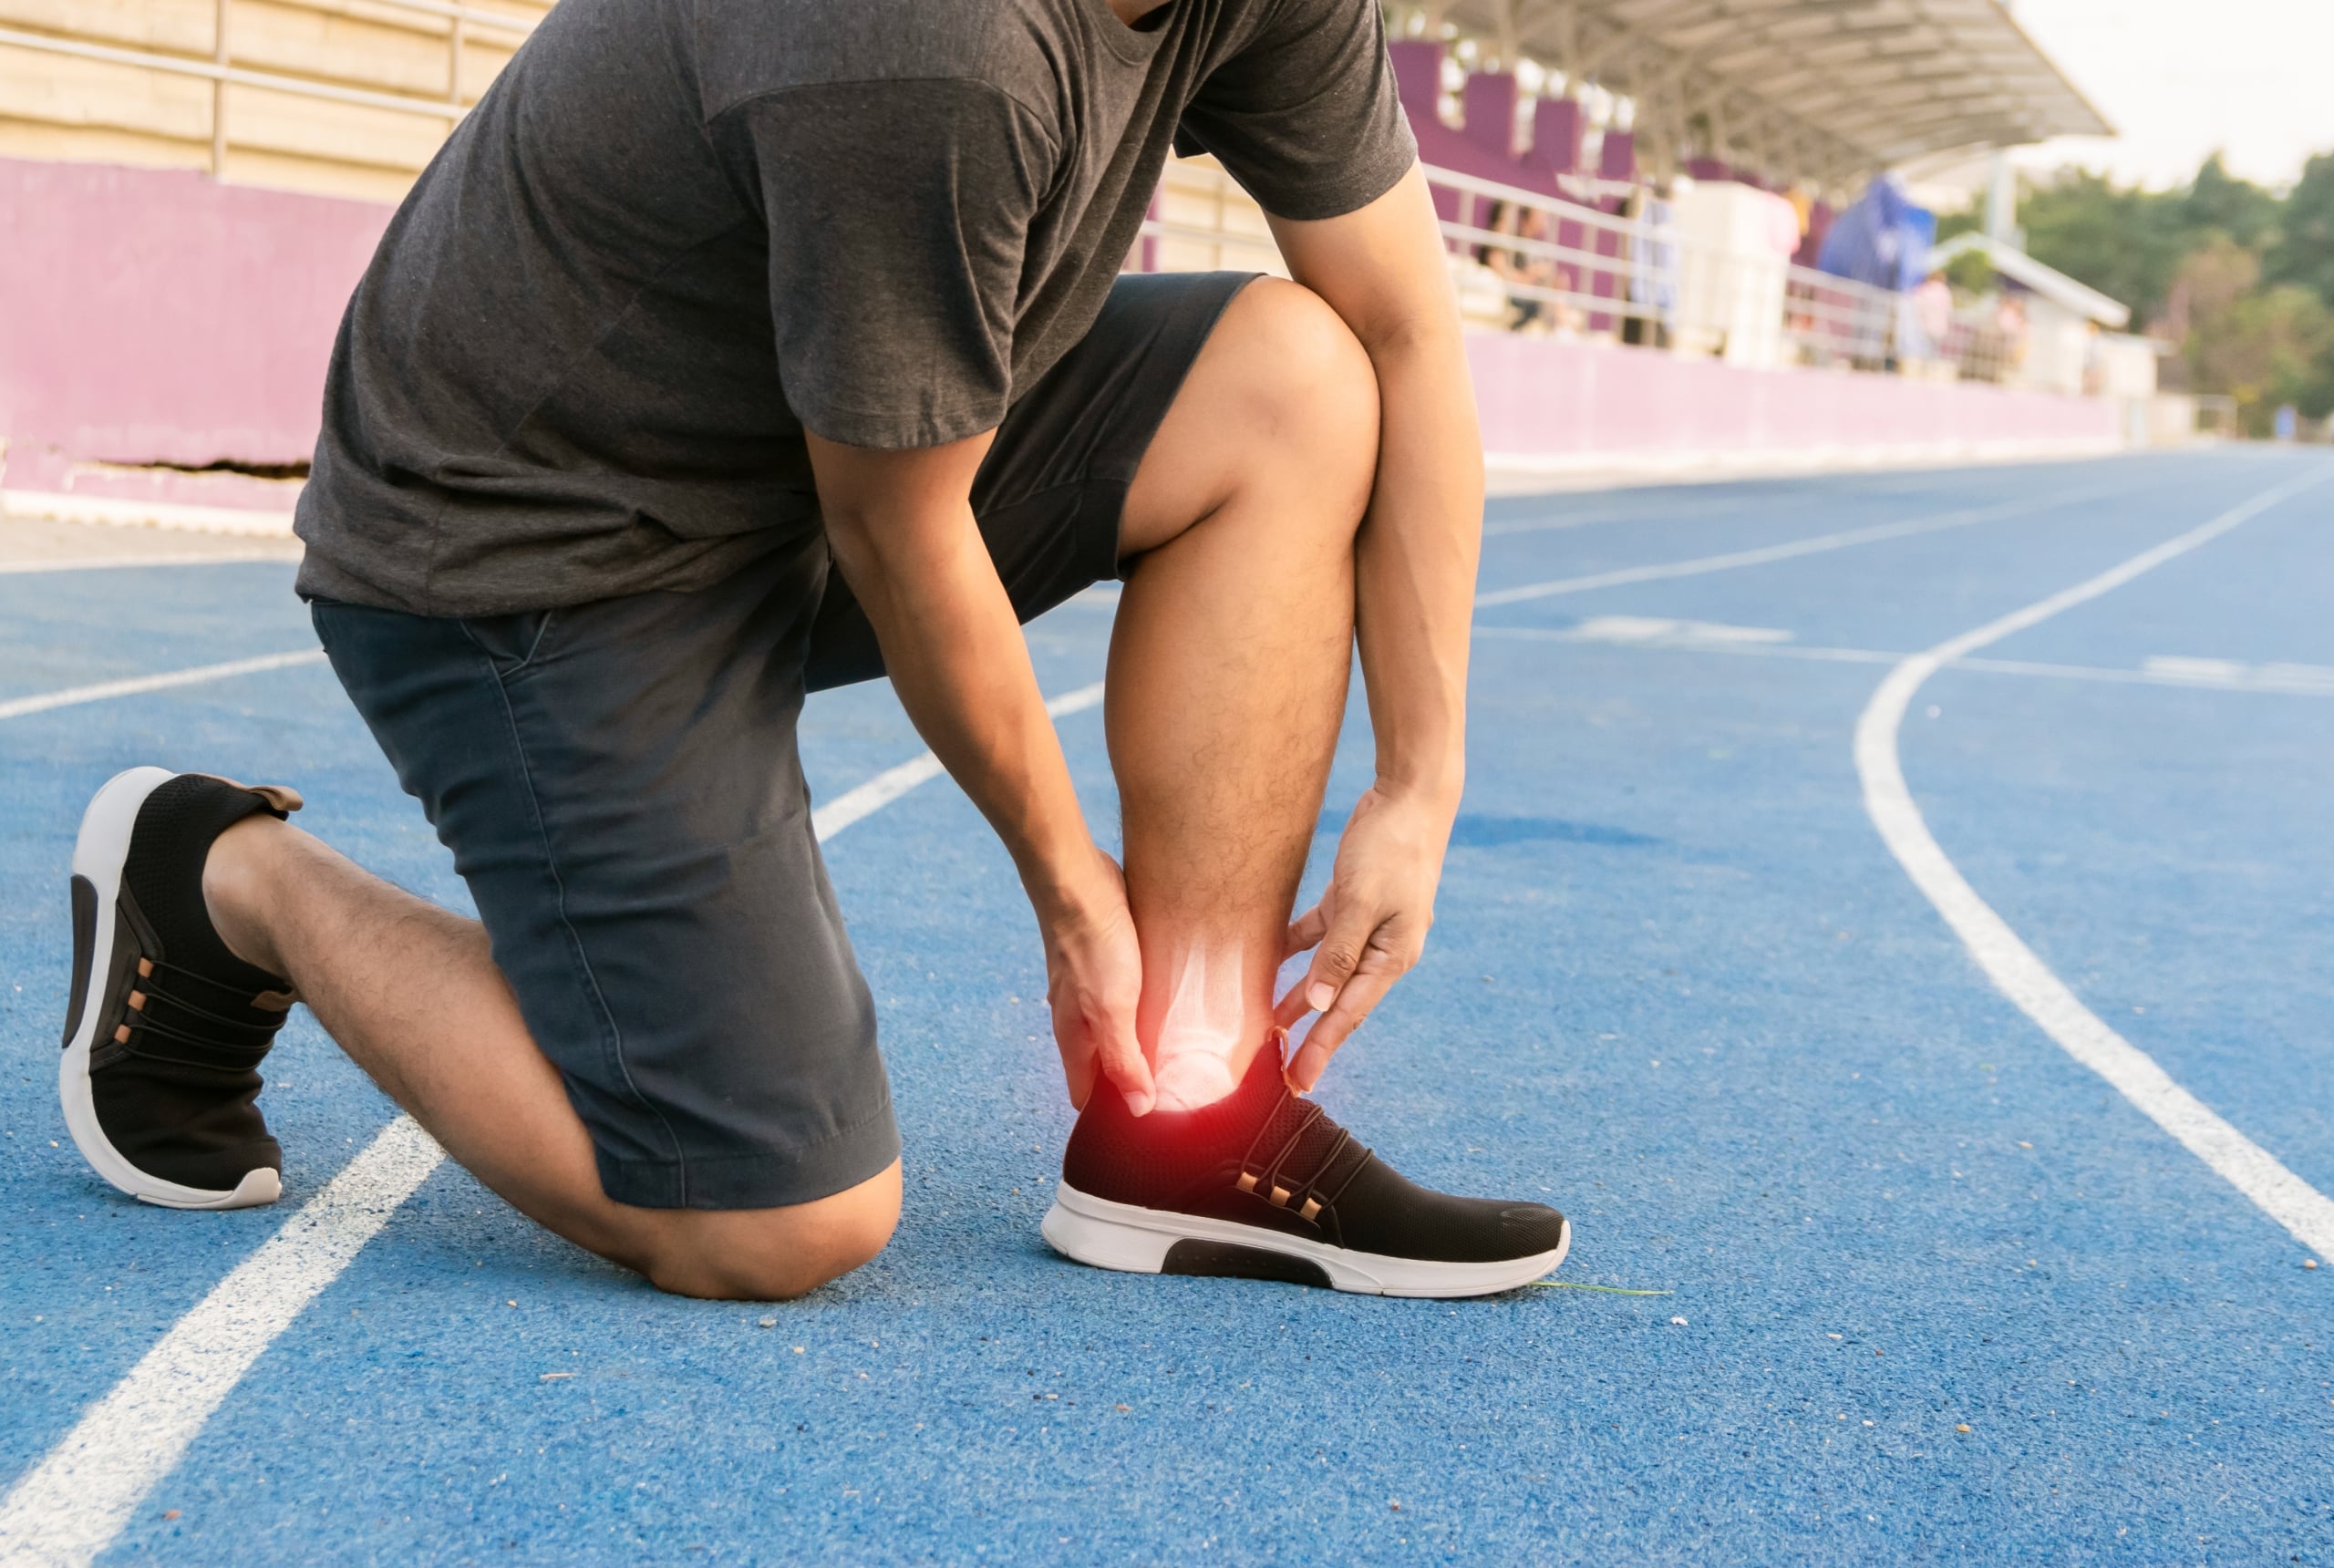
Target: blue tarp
1882, 240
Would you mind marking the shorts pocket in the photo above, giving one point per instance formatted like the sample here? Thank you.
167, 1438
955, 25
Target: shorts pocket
511, 641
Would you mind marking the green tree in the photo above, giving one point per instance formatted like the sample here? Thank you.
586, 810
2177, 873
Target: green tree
2303, 252
2263, 347
2219, 202
2127, 244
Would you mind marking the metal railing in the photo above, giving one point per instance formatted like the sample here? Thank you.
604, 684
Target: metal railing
1838, 320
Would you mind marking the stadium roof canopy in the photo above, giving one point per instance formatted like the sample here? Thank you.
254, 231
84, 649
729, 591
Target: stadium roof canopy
1823, 88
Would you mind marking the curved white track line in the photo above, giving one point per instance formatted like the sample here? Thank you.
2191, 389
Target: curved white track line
2013, 966
70, 1506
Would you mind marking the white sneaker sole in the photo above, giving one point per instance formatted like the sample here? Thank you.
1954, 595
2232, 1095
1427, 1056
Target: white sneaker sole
1123, 1236
97, 857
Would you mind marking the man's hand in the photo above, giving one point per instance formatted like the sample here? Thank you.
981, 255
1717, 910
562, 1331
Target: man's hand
901, 526
1094, 982
1370, 926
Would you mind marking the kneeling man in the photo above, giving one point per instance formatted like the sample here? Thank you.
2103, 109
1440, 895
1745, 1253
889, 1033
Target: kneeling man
734, 349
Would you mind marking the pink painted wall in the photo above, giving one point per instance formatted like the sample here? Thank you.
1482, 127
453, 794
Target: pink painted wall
156, 316
150, 316
1544, 397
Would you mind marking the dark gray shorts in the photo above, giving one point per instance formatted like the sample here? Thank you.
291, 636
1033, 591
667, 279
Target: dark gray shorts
619, 784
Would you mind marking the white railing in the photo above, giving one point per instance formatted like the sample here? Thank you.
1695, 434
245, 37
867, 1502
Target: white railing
1552, 265
231, 76
222, 72
1838, 320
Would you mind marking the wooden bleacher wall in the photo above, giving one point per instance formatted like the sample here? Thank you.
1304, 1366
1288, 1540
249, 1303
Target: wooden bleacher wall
56, 107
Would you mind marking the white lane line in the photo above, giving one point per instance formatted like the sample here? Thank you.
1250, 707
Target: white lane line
2181, 670
1791, 549
888, 786
2265, 678
2262, 678
70, 1506
2013, 967
1765, 649
171, 558
69, 1509
17, 707
1664, 630
1703, 507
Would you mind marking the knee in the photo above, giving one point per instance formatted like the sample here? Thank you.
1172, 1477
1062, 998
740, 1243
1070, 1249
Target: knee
1312, 389
777, 1255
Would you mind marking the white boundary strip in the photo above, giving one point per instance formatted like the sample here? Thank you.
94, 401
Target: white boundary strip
71, 1506
17, 707
1791, 549
2261, 680
159, 558
50, 506
2014, 967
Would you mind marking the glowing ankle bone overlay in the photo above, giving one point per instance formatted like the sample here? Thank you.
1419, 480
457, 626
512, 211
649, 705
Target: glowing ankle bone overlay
1192, 1064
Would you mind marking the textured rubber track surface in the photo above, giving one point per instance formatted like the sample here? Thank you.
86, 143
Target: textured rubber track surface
1678, 986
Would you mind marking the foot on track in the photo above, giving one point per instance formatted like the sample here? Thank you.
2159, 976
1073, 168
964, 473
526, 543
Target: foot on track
165, 1026
1263, 1185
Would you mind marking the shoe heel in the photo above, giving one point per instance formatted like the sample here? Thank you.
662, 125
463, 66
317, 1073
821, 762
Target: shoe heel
1104, 1243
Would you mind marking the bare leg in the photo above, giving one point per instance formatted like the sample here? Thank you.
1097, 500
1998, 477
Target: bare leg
411, 992
1229, 666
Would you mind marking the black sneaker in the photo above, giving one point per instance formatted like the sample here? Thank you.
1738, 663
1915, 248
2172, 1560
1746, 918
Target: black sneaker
1263, 1185
165, 1027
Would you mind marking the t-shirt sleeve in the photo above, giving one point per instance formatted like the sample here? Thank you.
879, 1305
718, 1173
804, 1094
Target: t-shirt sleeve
897, 213
1305, 115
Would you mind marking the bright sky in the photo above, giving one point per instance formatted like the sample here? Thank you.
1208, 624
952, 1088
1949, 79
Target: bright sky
2180, 77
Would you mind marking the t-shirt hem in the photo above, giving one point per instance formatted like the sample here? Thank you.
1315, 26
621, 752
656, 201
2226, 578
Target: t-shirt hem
1348, 196
883, 431
321, 577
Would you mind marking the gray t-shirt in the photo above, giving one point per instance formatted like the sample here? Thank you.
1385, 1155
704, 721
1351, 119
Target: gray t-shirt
675, 233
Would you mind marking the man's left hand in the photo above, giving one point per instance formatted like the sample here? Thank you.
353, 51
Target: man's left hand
1370, 926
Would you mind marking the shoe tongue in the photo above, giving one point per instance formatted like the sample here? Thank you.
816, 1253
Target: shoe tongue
1302, 1162
1266, 1116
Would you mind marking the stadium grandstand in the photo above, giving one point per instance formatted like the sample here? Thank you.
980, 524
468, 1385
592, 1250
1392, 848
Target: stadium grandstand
1720, 182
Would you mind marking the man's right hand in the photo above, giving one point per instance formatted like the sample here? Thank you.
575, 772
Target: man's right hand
902, 530
1094, 982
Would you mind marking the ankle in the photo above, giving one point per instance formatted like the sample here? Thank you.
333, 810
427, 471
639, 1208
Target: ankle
238, 877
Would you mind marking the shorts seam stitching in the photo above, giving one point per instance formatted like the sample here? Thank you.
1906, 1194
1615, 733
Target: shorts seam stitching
612, 1032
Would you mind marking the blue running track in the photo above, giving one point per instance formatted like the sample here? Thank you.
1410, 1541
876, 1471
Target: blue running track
1930, 1290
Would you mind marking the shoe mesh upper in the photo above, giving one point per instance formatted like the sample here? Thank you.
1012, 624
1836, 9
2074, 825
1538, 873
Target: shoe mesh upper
1191, 1163
172, 1068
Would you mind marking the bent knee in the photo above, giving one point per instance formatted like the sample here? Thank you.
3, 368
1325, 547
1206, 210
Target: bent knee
777, 1255
1310, 378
